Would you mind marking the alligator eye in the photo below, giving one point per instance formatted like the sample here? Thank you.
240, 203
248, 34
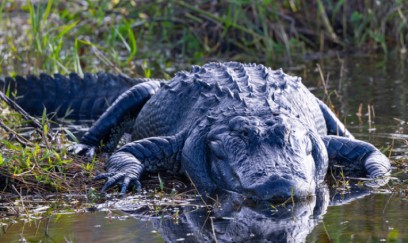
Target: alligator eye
245, 133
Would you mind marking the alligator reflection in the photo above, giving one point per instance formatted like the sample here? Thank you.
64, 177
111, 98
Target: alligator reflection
235, 220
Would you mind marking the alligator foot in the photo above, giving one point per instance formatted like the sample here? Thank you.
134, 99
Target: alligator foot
126, 165
85, 150
124, 169
359, 158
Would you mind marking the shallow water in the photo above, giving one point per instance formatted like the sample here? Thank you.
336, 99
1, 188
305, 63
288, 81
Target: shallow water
374, 218
82, 227
378, 82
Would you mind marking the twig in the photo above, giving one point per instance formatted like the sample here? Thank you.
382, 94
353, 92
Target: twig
369, 117
391, 148
326, 93
327, 232
195, 187
213, 230
22, 201
18, 137
32, 120
20, 110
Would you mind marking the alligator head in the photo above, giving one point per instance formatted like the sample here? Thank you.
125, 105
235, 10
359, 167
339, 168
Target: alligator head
262, 158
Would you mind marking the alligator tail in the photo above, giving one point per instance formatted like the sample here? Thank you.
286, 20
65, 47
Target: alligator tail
69, 96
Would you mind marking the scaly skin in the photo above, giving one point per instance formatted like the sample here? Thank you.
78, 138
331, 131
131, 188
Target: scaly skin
72, 96
230, 126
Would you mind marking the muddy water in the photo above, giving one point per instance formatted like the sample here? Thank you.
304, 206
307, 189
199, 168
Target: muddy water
376, 84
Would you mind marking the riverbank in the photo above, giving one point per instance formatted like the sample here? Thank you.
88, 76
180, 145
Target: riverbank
151, 38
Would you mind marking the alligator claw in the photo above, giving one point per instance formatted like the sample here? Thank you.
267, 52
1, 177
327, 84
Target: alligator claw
124, 176
377, 182
112, 180
82, 150
125, 185
118, 178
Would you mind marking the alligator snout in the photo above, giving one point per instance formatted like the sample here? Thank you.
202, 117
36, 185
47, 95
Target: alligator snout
280, 188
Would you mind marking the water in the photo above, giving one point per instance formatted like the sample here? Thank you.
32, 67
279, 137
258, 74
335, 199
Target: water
360, 217
374, 218
384, 85
82, 227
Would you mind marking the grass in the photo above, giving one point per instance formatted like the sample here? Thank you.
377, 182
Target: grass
36, 160
122, 36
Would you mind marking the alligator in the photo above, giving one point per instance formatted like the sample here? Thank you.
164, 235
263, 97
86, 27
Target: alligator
227, 126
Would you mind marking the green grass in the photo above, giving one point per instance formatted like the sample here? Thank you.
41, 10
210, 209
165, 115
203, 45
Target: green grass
121, 36
38, 161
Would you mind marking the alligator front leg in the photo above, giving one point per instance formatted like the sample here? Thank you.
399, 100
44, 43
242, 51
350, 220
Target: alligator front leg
115, 121
154, 154
357, 157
